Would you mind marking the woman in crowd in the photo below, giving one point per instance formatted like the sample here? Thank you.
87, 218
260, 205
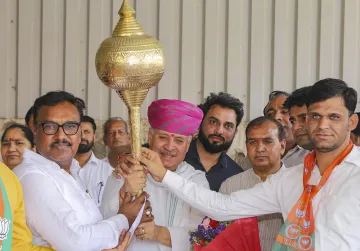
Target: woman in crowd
14, 140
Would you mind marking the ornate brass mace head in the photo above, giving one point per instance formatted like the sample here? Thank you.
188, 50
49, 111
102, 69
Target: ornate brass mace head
130, 62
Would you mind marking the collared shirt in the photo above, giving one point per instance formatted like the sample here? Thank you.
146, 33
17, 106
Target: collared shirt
178, 217
336, 206
60, 213
224, 168
294, 157
94, 175
106, 159
269, 225
20, 239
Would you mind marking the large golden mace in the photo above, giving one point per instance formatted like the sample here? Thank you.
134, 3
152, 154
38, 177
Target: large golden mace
130, 62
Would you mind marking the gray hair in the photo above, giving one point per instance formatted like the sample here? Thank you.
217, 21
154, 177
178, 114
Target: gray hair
108, 122
275, 94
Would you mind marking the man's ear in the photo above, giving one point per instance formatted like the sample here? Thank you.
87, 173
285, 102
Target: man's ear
283, 146
353, 121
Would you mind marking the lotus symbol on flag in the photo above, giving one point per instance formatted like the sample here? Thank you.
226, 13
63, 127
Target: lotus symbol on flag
300, 213
294, 230
306, 224
4, 228
305, 242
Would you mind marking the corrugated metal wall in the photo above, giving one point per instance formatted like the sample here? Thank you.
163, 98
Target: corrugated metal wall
243, 47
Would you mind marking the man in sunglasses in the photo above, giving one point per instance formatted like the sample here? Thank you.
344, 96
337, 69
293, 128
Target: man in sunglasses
61, 210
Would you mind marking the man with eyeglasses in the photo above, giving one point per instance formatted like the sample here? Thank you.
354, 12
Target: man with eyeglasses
61, 210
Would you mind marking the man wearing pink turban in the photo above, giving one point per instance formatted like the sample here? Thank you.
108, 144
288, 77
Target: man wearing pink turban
173, 122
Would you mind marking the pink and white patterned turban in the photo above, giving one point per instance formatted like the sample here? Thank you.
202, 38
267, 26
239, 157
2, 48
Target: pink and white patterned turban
175, 116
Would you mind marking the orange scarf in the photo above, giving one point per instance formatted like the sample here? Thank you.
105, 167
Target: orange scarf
298, 231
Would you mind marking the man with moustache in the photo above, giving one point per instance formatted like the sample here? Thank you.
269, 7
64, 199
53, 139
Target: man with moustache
60, 210
222, 114
265, 143
92, 171
319, 199
173, 123
275, 109
296, 104
116, 133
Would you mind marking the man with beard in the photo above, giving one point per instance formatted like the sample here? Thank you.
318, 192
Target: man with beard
296, 104
319, 199
92, 171
60, 210
116, 133
222, 115
172, 124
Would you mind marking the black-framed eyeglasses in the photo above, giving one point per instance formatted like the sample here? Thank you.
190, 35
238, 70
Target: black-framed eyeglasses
275, 94
51, 128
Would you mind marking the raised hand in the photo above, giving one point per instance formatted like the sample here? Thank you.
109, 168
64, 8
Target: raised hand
153, 163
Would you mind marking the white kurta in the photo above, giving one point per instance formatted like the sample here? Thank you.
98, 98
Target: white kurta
59, 212
167, 209
336, 206
105, 159
94, 175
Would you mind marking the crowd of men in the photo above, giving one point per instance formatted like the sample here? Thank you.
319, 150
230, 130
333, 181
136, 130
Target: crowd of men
299, 176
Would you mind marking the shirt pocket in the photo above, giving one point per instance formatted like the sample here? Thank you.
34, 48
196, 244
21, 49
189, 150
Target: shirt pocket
342, 214
98, 191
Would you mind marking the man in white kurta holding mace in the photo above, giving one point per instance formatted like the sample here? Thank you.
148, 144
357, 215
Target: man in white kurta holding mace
319, 200
173, 122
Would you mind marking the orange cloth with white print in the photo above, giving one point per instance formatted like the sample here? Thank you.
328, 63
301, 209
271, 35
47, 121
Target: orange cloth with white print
298, 231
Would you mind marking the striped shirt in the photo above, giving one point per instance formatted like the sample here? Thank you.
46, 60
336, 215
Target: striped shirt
269, 225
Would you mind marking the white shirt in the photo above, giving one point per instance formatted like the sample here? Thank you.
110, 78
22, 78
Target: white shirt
59, 212
336, 206
295, 156
94, 175
167, 209
270, 224
106, 159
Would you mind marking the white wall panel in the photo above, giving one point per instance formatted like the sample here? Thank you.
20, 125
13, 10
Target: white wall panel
247, 48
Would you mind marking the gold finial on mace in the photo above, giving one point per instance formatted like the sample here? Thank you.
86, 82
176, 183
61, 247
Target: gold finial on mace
130, 62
